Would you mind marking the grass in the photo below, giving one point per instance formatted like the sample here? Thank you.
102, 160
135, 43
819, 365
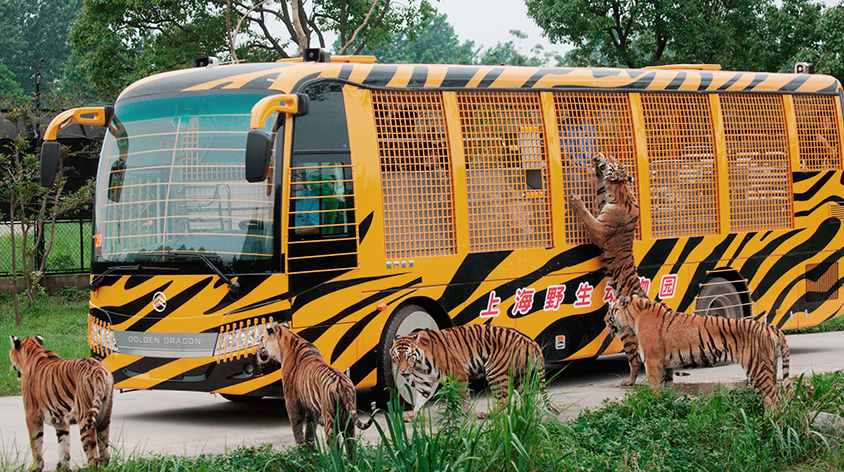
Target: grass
727, 430
71, 250
61, 320
835, 324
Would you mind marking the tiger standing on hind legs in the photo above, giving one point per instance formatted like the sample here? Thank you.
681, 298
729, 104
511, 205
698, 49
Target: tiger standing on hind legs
314, 392
613, 232
63, 393
670, 339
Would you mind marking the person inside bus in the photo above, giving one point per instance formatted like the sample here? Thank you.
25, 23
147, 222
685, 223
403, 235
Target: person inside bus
577, 144
306, 217
828, 142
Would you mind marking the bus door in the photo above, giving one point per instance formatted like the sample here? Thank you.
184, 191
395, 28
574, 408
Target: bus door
321, 231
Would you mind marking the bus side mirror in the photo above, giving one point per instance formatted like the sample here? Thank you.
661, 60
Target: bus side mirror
49, 163
259, 147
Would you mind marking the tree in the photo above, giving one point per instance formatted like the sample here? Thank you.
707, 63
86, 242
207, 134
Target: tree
32, 30
434, 43
31, 205
739, 34
627, 33
829, 53
509, 54
9, 86
121, 41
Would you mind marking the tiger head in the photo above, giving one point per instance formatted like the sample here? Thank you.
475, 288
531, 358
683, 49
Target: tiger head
406, 354
617, 317
610, 170
23, 350
271, 347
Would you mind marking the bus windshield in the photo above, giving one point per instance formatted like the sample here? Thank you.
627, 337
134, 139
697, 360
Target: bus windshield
171, 183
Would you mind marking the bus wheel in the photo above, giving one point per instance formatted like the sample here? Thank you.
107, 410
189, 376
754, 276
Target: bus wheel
719, 297
405, 320
241, 398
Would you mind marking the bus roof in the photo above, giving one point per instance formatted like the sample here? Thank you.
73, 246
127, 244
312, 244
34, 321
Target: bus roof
289, 77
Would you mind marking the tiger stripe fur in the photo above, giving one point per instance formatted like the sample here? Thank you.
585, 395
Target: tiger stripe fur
314, 392
613, 232
63, 393
426, 358
670, 339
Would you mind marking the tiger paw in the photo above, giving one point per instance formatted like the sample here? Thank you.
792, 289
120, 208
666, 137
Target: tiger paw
482, 414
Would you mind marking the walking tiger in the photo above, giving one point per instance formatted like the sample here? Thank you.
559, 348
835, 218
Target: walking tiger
468, 352
314, 392
63, 393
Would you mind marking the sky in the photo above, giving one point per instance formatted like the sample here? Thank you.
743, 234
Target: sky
487, 22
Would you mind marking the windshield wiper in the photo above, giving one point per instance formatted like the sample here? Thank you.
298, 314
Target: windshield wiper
234, 286
95, 284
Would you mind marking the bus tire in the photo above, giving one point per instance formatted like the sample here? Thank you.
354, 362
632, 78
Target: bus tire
405, 320
241, 398
719, 297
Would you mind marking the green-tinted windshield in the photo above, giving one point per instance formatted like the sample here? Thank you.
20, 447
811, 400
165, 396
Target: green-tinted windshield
171, 180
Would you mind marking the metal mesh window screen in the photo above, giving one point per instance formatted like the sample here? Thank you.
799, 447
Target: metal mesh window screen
817, 132
757, 162
681, 160
506, 170
416, 174
589, 123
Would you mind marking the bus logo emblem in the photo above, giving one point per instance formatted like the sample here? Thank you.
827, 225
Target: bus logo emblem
159, 302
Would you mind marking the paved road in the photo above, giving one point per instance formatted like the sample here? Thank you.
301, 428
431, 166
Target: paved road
188, 423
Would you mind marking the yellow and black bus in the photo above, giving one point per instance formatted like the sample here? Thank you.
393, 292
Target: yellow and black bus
378, 199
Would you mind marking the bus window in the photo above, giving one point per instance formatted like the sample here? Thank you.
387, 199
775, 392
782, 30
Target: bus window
322, 239
318, 202
757, 162
681, 157
416, 174
504, 211
817, 134
591, 122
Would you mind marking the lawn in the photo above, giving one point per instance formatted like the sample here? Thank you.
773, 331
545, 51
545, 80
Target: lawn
61, 320
727, 430
71, 247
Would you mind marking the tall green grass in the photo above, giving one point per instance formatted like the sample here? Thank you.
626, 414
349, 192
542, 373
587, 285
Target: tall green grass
62, 320
727, 430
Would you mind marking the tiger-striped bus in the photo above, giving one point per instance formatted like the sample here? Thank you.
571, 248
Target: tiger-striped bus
377, 199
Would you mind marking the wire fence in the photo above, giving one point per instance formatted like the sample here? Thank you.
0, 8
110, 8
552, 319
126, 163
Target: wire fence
71, 251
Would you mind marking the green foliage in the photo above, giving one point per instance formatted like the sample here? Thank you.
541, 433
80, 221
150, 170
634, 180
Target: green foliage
122, 41
32, 30
828, 52
835, 324
434, 43
62, 321
9, 87
33, 207
742, 35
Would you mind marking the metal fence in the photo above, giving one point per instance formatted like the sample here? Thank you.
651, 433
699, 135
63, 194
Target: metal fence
71, 251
